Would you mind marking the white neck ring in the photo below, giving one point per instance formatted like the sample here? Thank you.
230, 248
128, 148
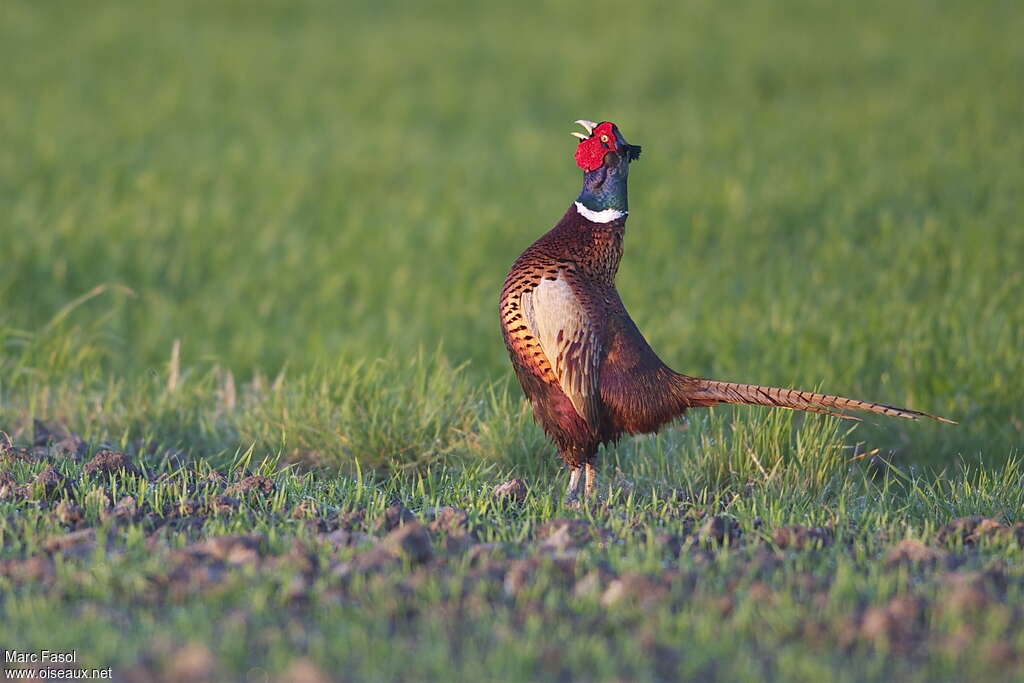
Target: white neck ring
604, 216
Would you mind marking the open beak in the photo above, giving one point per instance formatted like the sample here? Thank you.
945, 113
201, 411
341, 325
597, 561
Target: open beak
588, 126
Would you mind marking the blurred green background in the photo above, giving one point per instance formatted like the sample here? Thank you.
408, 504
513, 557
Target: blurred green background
829, 194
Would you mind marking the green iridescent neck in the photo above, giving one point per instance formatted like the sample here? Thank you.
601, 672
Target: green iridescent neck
604, 188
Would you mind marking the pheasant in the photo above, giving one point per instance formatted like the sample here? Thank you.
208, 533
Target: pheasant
582, 363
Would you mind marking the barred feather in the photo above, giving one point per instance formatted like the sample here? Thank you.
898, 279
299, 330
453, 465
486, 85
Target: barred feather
703, 392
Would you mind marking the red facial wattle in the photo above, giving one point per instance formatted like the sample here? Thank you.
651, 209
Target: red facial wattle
590, 152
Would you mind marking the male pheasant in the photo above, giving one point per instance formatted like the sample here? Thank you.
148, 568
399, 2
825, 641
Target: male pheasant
582, 362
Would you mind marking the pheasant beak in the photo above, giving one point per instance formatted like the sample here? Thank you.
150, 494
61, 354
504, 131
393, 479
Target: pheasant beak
588, 126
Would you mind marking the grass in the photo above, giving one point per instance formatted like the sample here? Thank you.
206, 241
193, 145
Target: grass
274, 233
749, 607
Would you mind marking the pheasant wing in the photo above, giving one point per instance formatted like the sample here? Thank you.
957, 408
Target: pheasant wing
565, 332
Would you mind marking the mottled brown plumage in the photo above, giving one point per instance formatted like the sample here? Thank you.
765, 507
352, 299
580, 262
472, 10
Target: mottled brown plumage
583, 364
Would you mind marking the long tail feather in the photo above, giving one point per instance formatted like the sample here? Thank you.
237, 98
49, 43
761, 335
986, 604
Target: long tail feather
704, 392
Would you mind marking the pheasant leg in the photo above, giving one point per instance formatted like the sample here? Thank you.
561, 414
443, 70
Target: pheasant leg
591, 476
572, 493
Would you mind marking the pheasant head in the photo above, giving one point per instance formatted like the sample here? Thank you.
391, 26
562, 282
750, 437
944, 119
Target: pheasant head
604, 156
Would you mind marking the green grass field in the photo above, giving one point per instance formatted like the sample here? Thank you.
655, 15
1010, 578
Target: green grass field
268, 237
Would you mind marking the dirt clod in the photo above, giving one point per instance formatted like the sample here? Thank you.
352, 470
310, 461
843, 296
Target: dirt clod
352, 520
967, 592
60, 441
125, 508
8, 486
594, 583
970, 530
38, 568
255, 483
51, 480
799, 537
565, 535
223, 504
96, 498
411, 540
672, 544
893, 625
234, 549
761, 593
373, 560
394, 516
305, 671
189, 507
449, 520
718, 528
452, 525
108, 462
194, 663
80, 542
513, 490
635, 589
341, 538
9, 452
306, 509
216, 479
913, 551
482, 554
69, 514
1001, 653
522, 573
518, 575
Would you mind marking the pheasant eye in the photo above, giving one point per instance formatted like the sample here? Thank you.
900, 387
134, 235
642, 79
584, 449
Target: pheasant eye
604, 138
